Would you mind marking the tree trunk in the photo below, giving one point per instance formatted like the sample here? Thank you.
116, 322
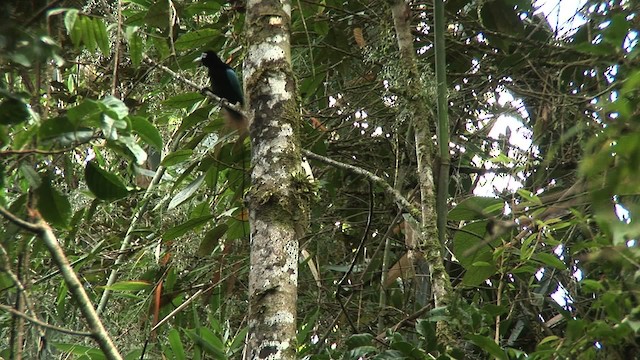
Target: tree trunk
277, 207
429, 243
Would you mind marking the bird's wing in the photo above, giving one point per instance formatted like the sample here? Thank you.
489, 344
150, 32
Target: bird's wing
235, 84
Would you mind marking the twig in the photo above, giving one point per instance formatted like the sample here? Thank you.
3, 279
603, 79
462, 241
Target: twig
401, 200
116, 53
42, 229
42, 323
204, 91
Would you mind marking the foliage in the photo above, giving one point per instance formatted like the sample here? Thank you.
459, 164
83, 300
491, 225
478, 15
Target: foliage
96, 136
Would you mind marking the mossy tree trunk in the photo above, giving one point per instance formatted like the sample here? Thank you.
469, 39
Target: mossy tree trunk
277, 208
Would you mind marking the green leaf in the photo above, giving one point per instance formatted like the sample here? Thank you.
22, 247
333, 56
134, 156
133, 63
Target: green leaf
427, 329
617, 30
104, 185
207, 8
183, 100
176, 344
358, 340
185, 227
147, 131
86, 113
102, 37
136, 150
591, 286
129, 286
13, 111
529, 196
476, 208
70, 20
194, 39
110, 127
114, 107
186, 193
53, 206
88, 36
197, 116
488, 345
177, 157
135, 45
158, 15
212, 239
209, 342
550, 260
80, 350
473, 254
61, 131
548, 339
30, 175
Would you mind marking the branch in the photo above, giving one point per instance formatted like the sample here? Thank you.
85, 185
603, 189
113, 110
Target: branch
401, 200
42, 323
204, 91
42, 229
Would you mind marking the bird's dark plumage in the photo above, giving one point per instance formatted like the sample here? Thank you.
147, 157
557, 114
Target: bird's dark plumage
224, 81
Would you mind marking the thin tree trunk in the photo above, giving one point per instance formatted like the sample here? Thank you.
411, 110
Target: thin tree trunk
277, 205
429, 243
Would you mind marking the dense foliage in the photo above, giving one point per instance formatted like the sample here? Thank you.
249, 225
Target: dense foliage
105, 134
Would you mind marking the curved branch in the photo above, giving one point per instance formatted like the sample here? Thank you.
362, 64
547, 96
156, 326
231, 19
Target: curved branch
44, 232
401, 200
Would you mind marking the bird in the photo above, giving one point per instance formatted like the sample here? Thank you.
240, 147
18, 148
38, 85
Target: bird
225, 84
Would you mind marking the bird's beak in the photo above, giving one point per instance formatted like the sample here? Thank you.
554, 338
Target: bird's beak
198, 59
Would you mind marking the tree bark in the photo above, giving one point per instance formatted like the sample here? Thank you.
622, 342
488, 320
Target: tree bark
277, 204
416, 100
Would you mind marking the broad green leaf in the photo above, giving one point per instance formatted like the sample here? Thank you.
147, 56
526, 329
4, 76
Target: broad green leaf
238, 229
470, 249
87, 113
88, 36
177, 157
176, 344
476, 208
361, 352
158, 15
114, 107
212, 239
209, 342
194, 39
136, 150
147, 131
185, 227
102, 37
427, 329
31, 175
488, 345
357, 340
135, 45
104, 185
62, 131
53, 206
238, 340
70, 19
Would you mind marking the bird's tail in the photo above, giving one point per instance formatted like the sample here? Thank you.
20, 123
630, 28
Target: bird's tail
235, 121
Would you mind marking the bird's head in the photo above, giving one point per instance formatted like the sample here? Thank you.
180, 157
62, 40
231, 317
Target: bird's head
210, 59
